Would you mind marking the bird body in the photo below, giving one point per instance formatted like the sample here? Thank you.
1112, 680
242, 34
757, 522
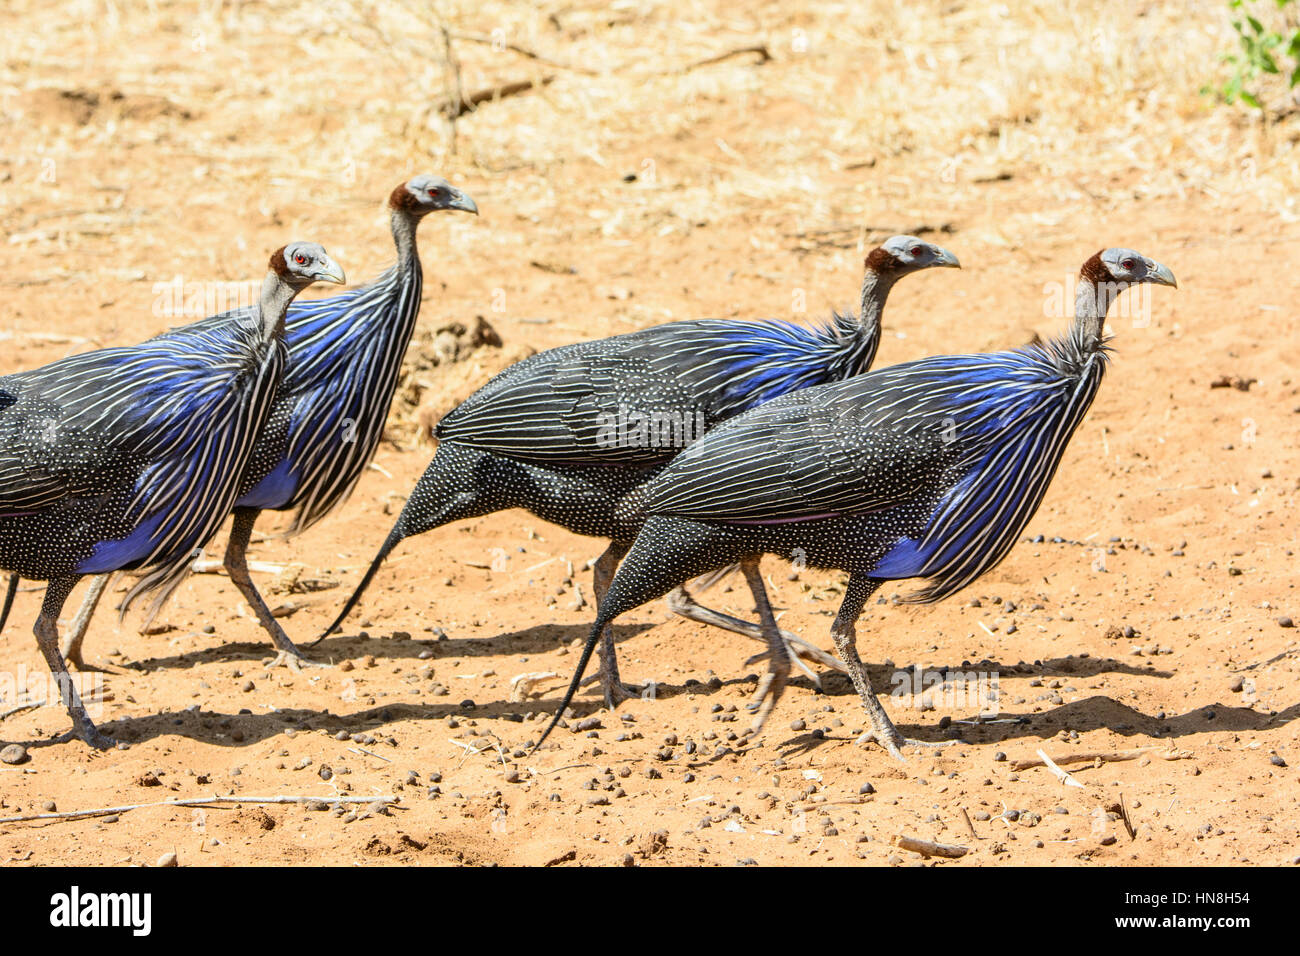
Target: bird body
136, 447
569, 433
129, 458
327, 416
928, 469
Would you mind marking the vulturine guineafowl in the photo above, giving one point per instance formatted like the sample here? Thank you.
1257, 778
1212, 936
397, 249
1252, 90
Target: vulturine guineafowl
927, 469
129, 458
568, 433
345, 353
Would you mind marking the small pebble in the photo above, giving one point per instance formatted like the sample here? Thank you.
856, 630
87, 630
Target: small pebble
14, 754
167, 859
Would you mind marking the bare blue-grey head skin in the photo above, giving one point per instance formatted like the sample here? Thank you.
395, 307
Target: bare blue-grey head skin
1102, 279
308, 262
1130, 266
424, 194
293, 268
894, 258
913, 253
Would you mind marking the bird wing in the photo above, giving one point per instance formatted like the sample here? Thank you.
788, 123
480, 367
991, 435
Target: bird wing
631, 399
42, 453
829, 450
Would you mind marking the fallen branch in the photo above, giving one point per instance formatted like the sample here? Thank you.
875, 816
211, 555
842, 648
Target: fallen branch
190, 802
1123, 815
215, 566
1058, 773
760, 48
926, 848
19, 708
1114, 755
453, 108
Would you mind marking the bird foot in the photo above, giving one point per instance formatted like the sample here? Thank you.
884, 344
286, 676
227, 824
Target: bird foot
765, 697
892, 741
615, 690
293, 660
90, 735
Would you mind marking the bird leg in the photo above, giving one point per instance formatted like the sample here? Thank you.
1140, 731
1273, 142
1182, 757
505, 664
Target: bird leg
771, 684
844, 633
236, 563
602, 574
70, 647
680, 602
47, 637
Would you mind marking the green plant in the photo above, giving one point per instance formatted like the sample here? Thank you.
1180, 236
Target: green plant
1262, 50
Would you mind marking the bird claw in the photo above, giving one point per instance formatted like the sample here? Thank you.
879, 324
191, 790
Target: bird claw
765, 697
293, 660
91, 737
892, 741
615, 691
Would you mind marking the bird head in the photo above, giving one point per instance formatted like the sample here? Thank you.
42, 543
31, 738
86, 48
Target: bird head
1122, 268
300, 264
424, 194
902, 254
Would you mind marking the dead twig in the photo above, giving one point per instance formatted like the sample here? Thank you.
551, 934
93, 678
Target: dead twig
1058, 773
19, 708
191, 802
462, 103
1123, 815
1106, 756
760, 48
928, 848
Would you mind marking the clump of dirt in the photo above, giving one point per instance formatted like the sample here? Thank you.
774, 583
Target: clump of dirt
78, 107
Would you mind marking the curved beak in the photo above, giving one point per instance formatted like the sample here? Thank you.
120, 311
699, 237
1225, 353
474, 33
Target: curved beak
946, 258
329, 271
1160, 274
464, 202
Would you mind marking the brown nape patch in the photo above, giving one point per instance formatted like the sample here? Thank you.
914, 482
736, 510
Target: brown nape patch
402, 198
878, 260
278, 264
1094, 270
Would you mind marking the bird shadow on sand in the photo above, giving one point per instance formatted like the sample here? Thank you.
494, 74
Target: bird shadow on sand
539, 639
506, 720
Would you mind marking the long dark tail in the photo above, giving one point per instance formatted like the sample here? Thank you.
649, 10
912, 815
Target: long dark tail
394, 538
583, 661
9, 600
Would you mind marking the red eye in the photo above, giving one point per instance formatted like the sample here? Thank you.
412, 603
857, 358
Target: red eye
1128, 265
916, 250
299, 258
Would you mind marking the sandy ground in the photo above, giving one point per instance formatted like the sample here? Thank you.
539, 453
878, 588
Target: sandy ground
1141, 611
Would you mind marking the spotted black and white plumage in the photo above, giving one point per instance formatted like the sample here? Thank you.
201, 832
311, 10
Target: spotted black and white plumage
551, 433
928, 469
326, 420
129, 458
